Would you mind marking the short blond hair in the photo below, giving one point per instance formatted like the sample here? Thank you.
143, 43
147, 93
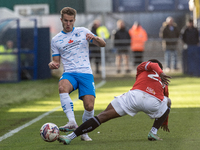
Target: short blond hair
69, 11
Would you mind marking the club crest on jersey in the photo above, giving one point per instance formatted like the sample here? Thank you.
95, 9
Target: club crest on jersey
70, 41
77, 34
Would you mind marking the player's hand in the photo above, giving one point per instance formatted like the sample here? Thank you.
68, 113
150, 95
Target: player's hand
89, 36
53, 65
165, 128
165, 79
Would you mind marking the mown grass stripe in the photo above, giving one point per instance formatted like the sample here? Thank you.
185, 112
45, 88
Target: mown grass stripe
12, 132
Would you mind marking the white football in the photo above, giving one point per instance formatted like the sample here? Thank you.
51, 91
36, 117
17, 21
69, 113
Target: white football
49, 132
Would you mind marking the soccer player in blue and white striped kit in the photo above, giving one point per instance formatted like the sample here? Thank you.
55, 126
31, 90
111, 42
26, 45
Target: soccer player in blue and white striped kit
71, 47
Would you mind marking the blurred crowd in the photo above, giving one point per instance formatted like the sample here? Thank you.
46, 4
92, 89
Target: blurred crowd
132, 41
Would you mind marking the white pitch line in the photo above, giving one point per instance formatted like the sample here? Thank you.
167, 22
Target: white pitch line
100, 84
27, 124
11, 133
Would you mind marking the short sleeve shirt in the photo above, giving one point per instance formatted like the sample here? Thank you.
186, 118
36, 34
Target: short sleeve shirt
73, 48
148, 80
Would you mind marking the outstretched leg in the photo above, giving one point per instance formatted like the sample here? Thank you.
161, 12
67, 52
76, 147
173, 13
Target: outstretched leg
91, 124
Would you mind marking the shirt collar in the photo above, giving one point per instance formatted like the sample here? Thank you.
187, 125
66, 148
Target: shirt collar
68, 32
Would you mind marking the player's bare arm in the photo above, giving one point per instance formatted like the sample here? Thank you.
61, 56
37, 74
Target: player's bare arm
55, 63
165, 79
96, 40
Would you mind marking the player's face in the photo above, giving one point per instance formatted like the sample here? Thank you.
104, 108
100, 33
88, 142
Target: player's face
67, 22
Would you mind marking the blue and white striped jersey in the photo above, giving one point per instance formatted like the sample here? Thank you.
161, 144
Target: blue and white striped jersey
73, 48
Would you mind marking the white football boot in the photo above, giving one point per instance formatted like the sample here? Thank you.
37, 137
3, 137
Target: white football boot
70, 126
85, 137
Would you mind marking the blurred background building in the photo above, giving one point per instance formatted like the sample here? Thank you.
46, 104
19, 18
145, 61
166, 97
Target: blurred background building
40, 19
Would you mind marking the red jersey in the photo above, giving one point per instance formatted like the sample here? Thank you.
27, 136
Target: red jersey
148, 80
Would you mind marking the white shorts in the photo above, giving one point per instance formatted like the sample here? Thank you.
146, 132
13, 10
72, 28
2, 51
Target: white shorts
135, 101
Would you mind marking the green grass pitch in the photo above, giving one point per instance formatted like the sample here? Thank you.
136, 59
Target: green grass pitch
22, 102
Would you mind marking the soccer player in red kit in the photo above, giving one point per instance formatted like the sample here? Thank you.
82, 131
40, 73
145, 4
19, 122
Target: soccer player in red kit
149, 94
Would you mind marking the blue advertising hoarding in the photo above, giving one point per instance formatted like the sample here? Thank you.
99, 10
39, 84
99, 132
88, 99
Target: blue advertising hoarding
182, 5
129, 5
149, 5
161, 5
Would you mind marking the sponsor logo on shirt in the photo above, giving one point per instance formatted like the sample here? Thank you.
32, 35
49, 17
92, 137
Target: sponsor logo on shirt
150, 90
71, 45
70, 41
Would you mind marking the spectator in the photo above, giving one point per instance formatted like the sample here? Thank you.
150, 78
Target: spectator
169, 32
10, 46
8, 61
102, 31
94, 50
8, 49
190, 37
190, 34
121, 43
138, 38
